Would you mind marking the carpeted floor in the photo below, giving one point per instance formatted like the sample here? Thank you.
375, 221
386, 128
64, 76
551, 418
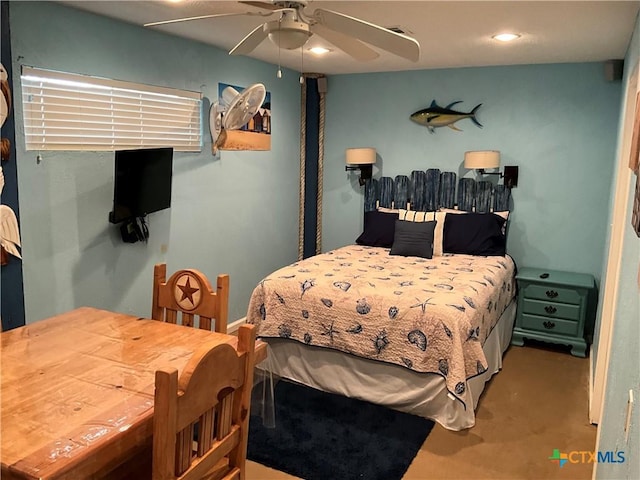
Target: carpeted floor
539, 402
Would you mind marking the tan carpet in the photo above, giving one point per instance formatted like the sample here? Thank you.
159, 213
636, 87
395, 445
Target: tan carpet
537, 403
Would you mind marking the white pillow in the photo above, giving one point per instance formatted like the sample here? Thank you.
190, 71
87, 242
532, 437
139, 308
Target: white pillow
415, 216
387, 210
438, 234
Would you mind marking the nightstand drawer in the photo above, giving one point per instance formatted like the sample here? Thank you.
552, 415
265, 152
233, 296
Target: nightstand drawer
551, 309
553, 293
550, 325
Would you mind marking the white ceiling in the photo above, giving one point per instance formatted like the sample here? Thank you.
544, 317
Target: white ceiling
450, 33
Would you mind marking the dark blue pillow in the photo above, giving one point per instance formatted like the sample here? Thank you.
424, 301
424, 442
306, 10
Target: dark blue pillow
474, 234
379, 229
413, 239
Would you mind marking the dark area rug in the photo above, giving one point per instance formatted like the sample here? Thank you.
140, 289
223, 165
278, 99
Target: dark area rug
321, 436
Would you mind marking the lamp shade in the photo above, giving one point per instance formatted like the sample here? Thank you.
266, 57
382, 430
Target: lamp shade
361, 156
482, 159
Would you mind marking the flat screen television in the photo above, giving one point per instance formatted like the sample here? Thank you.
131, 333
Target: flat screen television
142, 183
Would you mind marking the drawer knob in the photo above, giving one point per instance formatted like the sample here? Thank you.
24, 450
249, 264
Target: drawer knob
550, 310
551, 293
549, 325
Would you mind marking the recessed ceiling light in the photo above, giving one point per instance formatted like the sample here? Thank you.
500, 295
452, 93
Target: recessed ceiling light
319, 50
506, 37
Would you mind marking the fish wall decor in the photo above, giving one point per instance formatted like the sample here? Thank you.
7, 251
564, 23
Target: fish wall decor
436, 116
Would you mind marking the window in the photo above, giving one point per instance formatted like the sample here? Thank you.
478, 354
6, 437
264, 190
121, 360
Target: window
66, 111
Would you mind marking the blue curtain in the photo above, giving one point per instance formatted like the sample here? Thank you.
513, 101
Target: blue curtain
311, 167
12, 292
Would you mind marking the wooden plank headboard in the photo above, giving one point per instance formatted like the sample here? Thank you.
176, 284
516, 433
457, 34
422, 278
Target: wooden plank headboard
430, 190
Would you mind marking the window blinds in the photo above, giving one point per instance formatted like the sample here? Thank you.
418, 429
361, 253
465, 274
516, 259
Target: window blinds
65, 111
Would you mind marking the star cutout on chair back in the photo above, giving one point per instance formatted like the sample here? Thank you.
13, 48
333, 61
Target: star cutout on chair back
186, 295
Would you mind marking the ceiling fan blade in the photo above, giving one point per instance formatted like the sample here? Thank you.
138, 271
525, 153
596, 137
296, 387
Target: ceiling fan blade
380, 37
250, 42
347, 44
202, 17
268, 6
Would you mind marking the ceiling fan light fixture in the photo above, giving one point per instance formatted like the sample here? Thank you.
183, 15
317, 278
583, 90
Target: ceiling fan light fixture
506, 37
319, 50
288, 34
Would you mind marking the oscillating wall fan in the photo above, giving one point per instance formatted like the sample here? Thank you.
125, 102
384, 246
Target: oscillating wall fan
294, 27
233, 111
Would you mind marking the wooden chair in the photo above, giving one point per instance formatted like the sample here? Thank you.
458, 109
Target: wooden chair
214, 393
189, 292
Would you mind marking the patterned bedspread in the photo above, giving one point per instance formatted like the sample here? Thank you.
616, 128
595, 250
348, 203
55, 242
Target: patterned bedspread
426, 315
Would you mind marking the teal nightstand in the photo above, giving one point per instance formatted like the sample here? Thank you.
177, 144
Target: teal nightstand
553, 307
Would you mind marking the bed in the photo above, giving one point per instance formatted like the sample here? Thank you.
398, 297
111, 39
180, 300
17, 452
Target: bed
416, 331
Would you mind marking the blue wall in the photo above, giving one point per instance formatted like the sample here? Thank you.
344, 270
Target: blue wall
558, 123
236, 214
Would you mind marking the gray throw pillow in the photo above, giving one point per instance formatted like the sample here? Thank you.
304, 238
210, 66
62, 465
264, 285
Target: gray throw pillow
413, 239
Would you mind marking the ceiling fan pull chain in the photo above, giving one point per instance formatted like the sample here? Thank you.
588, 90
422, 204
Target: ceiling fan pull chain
301, 65
279, 74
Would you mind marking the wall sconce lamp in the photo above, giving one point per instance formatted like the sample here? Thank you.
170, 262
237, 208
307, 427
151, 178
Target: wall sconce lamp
361, 159
482, 159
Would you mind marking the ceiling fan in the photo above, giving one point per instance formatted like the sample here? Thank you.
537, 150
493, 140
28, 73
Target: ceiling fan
294, 27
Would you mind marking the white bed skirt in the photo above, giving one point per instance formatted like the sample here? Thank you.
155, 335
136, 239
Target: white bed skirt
422, 394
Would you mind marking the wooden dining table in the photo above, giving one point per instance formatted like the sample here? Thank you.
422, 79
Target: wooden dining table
77, 390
